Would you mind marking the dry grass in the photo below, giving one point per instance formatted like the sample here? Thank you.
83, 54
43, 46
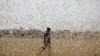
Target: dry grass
63, 44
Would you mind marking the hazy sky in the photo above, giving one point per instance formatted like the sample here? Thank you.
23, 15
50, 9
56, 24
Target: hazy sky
57, 14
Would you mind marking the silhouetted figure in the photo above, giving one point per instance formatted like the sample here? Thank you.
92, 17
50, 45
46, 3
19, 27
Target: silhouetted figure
47, 42
47, 39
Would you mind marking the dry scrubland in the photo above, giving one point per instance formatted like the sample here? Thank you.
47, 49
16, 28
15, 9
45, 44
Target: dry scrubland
64, 43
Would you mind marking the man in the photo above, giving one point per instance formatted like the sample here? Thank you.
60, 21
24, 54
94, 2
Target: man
47, 39
47, 42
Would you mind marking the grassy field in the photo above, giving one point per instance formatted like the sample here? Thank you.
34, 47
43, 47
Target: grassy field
63, 44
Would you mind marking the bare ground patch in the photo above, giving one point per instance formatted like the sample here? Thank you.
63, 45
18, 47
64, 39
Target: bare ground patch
60, 47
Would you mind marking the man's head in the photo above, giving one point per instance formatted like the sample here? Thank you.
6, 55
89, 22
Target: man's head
48, 29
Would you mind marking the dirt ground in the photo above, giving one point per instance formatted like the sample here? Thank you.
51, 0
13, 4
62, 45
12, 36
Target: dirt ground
59, 47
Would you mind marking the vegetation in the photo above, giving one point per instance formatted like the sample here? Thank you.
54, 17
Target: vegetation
63, 43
